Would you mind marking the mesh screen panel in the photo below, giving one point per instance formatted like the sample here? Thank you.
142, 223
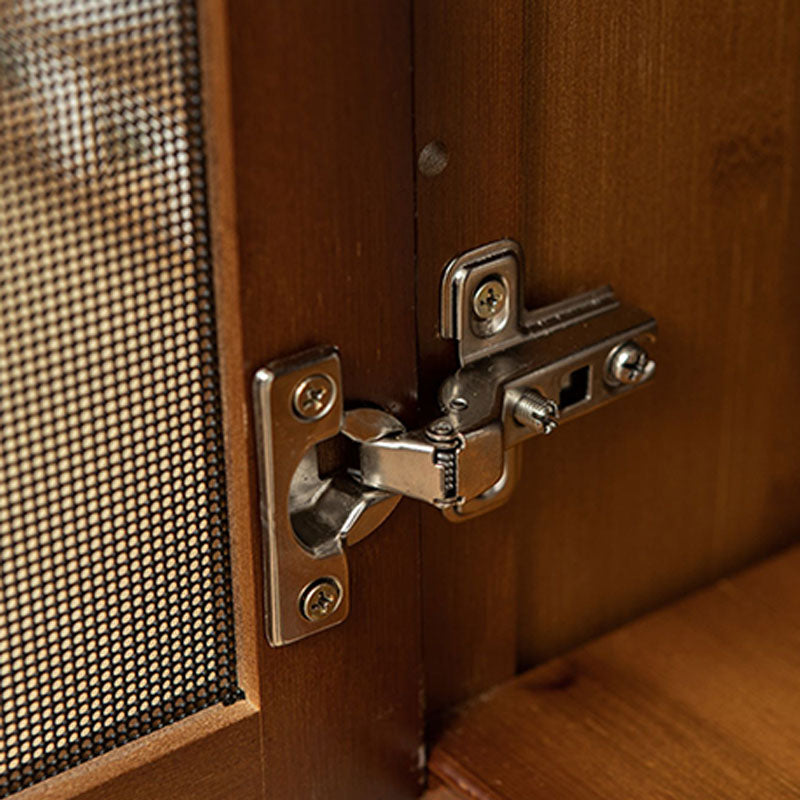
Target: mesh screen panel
115, 596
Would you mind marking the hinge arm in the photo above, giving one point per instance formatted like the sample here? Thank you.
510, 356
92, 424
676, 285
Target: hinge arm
437, 465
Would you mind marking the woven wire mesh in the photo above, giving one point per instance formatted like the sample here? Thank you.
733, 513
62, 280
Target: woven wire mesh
115, 591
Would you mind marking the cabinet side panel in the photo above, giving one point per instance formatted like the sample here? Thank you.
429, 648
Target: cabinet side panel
652, 146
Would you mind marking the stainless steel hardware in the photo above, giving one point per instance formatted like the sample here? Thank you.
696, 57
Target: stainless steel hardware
535, 411
629, 363
308, 519
522, 373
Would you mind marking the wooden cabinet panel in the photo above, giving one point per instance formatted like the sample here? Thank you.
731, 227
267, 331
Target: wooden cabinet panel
654, 147
467, 73
660, 155
310, 191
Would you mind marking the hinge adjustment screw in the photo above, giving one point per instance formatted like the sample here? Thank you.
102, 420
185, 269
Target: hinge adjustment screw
536, 412
440, 430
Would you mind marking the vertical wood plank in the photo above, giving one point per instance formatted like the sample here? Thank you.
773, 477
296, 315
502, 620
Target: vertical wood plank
660, 155
468, 80
323, 168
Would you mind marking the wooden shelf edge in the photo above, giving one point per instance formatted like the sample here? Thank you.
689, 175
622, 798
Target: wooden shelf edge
699, 699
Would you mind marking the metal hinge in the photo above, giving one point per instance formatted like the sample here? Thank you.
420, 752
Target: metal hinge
522, 374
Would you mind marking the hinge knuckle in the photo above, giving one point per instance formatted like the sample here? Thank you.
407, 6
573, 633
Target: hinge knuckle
443, 473
406, 465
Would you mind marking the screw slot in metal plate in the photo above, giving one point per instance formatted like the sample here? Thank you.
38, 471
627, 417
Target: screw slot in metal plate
313, 397
320, 599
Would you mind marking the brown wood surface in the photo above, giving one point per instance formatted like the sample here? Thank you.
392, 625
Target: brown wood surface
211, 755
467, 60
438, 791
698, 700
323, 170
221, 765
653, 146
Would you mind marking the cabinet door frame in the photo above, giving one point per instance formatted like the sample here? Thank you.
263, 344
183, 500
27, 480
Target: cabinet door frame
310, 169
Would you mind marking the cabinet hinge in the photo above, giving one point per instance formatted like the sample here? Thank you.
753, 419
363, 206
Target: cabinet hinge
522, 374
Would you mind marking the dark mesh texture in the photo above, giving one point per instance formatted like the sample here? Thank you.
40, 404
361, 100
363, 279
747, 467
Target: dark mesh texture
115, 591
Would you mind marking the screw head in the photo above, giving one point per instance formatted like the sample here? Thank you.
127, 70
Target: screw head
628, 364
320, 599
313, 397
440, 430
489, 300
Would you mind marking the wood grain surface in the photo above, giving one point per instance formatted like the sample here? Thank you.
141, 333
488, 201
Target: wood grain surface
698, 700
467, 80
323, 170
220, 765
438, 791
211, 755
653, 146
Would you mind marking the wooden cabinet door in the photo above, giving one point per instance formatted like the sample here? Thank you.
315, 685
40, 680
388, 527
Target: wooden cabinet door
189, 191
321, 178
